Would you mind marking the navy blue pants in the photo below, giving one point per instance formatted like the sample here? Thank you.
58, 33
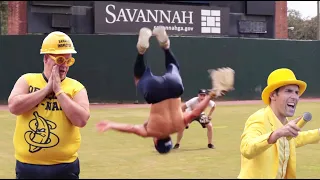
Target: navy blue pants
59, 171
158, 88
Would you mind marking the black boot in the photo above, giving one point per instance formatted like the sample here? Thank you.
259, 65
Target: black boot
211, 146
176, 146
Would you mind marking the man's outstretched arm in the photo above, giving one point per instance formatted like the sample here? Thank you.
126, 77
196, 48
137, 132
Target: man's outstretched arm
139, 130
189, 116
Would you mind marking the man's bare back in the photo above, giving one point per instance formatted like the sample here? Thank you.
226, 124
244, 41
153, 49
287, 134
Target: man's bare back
166, 117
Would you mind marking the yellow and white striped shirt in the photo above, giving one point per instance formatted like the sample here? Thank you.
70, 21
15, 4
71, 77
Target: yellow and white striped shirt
284, 154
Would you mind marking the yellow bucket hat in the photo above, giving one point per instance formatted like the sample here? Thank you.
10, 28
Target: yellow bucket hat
278, 78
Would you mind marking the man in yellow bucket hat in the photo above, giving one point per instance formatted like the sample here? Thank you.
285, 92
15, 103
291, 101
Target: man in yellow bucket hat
265, 150
50, 108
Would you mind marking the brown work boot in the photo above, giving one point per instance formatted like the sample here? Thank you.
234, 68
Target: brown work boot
162, 37
143, 40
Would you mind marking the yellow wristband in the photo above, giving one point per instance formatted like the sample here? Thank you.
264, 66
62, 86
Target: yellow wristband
58, 93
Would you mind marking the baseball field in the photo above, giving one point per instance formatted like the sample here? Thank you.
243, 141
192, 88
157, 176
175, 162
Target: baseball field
117, 155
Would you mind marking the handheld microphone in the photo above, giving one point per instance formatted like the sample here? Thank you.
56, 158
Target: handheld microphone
303, 121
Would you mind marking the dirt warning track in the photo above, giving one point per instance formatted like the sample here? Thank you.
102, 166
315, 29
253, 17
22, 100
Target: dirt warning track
114, 105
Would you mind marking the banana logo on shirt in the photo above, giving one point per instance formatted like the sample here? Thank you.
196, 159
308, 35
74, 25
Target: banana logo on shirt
40, 135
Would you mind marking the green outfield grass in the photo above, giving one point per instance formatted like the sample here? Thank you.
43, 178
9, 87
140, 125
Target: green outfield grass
118, 155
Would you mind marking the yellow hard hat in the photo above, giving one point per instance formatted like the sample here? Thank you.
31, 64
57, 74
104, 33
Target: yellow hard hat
57, 43
278, 78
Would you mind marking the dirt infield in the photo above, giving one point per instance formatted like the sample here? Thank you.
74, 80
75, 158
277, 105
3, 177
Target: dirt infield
114, 105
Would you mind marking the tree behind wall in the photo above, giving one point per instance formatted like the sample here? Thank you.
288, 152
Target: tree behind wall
304, 29
3, 17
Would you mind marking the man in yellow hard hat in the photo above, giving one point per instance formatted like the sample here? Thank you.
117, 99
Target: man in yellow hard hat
50, 108
266, 153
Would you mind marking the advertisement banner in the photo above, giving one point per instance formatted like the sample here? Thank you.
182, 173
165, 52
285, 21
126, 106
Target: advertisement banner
127, 18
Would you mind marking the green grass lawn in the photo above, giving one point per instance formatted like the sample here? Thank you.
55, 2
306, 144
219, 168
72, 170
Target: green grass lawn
118, 155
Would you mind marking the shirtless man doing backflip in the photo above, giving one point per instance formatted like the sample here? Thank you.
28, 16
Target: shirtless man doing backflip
162, 92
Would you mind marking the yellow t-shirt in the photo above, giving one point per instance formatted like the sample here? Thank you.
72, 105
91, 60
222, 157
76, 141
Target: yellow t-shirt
44, 135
